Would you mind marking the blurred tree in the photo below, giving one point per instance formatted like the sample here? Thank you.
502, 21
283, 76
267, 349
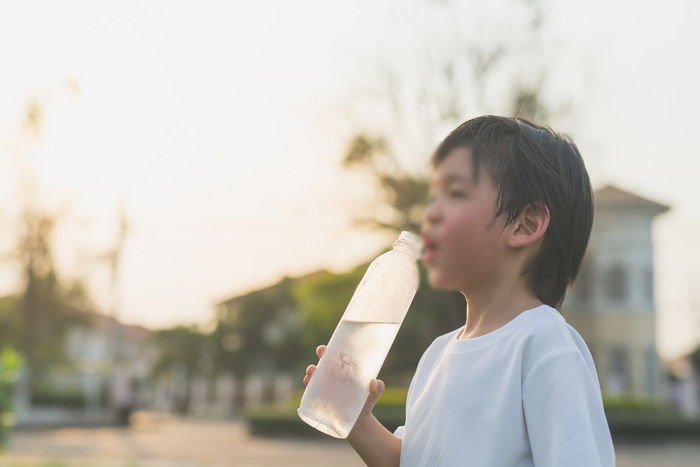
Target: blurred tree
10, 320
278, 328
258, 332
45, 310
39, 317
418, 110
322, 301
180, 350
695, 360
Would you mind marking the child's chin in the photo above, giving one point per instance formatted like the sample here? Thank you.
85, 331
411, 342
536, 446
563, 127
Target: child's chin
438, 283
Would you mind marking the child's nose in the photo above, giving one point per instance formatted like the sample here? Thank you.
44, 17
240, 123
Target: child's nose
432, 213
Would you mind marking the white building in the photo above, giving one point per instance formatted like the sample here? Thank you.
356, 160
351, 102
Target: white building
612, 303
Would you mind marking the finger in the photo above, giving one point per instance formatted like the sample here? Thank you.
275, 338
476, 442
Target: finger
310, 369
320, 350
376, 388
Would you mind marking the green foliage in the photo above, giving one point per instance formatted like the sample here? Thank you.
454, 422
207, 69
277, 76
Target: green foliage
180, 346
263, 324
36, 319
431, 314
322, 301
403, 194
632, 404
695, 359
652, 426
63, 398
393, 397
406, 194
181, 350
647, 419
10, 366
362, 149
46, 315
10, 320
279, 421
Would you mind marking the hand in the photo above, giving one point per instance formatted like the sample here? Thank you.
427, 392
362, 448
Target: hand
376, 386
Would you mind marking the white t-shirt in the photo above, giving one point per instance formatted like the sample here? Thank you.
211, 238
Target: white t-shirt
525, 394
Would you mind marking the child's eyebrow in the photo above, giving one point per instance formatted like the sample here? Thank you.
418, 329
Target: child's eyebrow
446, 181
455, 178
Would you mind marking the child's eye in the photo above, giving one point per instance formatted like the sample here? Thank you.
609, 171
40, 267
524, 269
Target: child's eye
456, 194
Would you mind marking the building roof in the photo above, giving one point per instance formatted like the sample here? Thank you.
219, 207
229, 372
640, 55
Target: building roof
130, 331
611, 196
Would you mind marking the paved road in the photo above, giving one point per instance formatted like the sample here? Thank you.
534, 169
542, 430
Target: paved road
160, 441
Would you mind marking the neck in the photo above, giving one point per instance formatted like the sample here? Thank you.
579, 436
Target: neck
489, 308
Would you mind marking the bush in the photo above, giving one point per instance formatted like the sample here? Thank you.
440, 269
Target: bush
634, 404
69, 399
279, 421
628, 418
10, 365
283, 420
659, 427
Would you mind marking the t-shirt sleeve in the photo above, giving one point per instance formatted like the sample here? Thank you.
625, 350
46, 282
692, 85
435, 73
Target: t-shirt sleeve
428, 355
564, 413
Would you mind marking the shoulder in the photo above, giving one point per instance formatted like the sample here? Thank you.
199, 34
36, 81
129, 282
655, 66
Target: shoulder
547, 326
436, 348
440, 342
546, 335
426, 363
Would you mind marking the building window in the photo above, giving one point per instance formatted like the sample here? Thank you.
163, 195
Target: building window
584, 285
617, 381
616, 283
650, 370
649, 285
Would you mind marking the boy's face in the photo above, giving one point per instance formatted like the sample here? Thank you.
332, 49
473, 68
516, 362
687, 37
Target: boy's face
463, 239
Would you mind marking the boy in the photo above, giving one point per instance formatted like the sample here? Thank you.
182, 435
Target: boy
507, 224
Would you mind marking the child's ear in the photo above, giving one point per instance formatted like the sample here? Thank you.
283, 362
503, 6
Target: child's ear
530, 226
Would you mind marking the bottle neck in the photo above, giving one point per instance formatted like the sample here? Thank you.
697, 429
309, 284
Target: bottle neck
409, 244
406, 249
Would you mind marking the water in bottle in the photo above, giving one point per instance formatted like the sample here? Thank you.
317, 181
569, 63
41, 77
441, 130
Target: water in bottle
360, 343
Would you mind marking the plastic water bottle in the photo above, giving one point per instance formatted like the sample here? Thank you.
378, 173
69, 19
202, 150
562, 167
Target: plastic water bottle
339, 387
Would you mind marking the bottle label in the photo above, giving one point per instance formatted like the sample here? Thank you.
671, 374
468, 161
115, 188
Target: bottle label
378, 298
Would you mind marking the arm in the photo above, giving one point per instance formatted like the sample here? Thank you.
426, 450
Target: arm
376, 445
564, 413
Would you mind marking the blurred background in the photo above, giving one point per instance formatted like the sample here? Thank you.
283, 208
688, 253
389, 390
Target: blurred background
191, 191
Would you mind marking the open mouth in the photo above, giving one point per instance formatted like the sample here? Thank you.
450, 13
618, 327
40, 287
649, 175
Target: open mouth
428, 251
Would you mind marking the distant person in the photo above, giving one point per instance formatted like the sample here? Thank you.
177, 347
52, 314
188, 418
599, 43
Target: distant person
507, 223
122, 397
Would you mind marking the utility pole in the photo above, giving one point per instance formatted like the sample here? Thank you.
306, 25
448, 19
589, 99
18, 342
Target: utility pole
119, 382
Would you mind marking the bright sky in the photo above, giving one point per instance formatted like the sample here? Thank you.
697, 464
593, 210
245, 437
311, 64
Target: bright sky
221, 125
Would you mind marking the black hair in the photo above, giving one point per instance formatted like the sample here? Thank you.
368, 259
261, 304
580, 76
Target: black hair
532, 165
